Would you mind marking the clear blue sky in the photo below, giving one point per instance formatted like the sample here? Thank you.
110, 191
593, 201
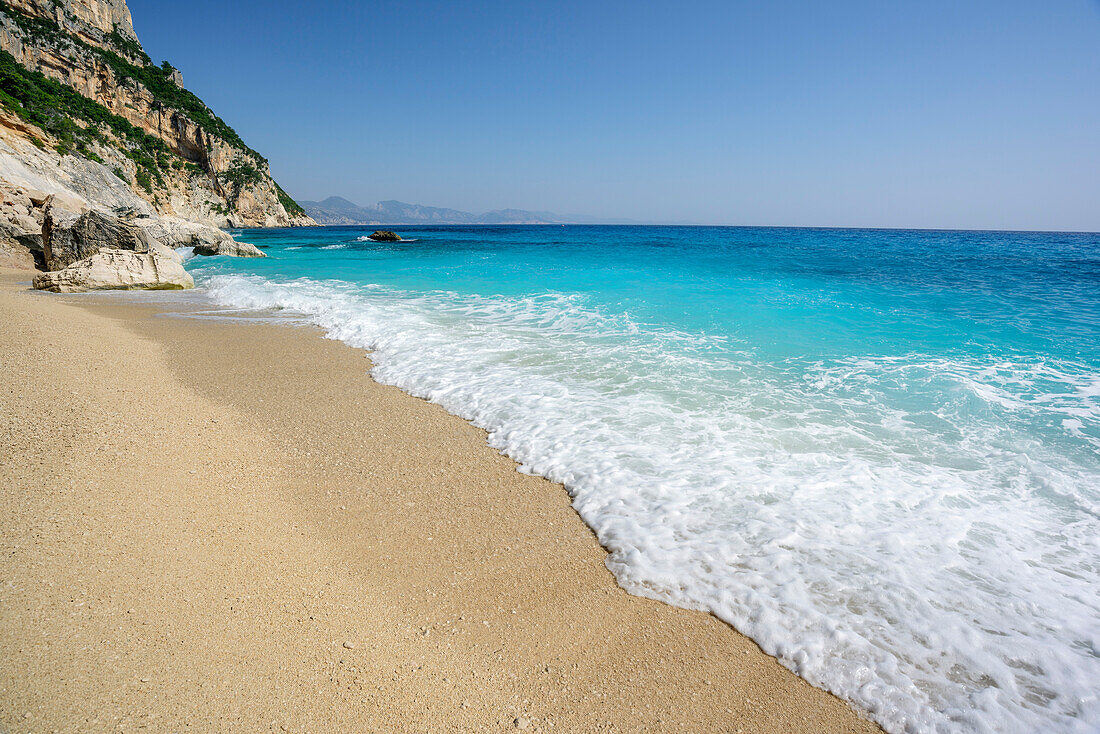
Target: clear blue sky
980, 114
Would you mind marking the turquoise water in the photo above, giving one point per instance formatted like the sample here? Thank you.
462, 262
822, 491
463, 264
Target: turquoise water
875, 452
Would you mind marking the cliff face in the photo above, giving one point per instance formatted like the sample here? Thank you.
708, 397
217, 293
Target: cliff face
172, 150
94, 21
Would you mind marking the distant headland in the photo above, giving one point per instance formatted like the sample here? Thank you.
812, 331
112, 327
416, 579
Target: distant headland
338, 210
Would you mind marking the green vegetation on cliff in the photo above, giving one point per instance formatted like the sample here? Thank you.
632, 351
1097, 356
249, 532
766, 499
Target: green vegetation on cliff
239, 175
292, 207
156, 79
53, 107
50, 105
128, 46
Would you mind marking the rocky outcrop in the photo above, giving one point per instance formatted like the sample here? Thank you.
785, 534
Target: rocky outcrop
87, 209
232, 248
384, 235
113, 269
205, 240
69, 239
207, 174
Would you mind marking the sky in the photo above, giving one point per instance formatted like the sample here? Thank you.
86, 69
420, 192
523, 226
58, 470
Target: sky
971, 115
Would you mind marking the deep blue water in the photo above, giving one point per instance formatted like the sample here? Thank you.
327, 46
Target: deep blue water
876, 452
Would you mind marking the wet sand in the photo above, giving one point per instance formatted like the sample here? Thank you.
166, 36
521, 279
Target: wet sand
216, 525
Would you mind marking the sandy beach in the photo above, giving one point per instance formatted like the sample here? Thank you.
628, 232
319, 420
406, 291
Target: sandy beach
215, 525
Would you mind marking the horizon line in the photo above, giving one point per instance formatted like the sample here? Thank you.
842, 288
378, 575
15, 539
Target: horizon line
688, 224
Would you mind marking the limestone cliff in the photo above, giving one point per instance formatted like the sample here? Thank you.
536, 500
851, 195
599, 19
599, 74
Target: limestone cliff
75, 81
104, 23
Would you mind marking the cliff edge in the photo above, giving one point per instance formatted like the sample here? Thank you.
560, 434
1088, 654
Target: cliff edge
112, 129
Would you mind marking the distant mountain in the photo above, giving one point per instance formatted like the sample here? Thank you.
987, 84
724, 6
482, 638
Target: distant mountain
338, 210
336, 203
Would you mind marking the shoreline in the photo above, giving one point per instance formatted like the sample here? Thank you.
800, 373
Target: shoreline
231, 525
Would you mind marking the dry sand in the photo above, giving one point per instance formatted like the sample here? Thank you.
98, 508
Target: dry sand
229, 526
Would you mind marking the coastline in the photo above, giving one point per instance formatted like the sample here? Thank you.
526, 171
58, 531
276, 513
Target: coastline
231, 525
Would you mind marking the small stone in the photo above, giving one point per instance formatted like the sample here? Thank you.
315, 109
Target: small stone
349, 645
522, 722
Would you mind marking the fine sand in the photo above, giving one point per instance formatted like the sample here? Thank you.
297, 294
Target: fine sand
210, 526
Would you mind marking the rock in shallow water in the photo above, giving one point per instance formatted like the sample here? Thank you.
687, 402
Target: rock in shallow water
204, 239
385, 235
228, 246
115, 269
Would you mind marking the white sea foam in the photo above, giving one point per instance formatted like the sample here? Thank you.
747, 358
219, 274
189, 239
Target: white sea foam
334, 247
929, 562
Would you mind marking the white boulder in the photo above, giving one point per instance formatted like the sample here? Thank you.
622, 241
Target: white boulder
113, 269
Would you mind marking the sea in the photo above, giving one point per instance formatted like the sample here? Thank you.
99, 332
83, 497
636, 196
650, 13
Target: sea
874, 452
